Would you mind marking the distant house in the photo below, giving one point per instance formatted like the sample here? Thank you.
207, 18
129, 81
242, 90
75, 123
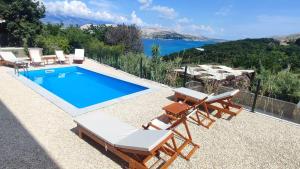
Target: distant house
2, 20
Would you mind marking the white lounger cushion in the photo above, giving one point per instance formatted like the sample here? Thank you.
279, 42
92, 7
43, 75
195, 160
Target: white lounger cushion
79, 54
222, 96
60, 55
191, 93
159, 124
35, 55
8, 56
120, 134
143, 140
105, 126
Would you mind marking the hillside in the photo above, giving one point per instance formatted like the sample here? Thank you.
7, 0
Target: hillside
158, 33
284, 40
247, 53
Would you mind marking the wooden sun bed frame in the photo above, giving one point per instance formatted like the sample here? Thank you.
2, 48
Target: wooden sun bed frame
206, 115
173, 125
137, 159
195, 105
226, 104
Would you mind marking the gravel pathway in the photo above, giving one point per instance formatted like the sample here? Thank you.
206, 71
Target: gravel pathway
34, 133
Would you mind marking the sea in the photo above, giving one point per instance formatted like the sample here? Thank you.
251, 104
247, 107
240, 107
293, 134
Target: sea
171, 46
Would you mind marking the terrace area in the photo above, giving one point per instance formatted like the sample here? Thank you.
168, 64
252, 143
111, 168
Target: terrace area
35, 133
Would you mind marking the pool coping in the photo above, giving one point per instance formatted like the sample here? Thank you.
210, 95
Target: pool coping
68, 107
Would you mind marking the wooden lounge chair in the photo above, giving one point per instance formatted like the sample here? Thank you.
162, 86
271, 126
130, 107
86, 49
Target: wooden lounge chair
10, 59
61, 58
167, 122
79, 56
201, 117
36, 57
135, 146
195, 100
224, 99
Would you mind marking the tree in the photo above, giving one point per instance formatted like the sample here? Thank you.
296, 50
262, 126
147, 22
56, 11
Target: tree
297, 42
127, 36
22, 21
98, 31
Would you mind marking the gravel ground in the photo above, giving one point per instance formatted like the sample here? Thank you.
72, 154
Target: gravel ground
34, 133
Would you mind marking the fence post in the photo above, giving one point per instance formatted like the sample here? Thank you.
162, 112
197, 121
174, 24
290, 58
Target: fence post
141, 67
256, 94
184, 76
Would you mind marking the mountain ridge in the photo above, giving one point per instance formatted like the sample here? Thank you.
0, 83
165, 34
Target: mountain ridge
159, 33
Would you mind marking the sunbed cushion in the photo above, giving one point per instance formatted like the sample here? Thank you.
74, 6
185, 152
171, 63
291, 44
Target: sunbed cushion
191, 93
225, 95
8, 56
143, 140
60, 55
159, 124
79, 54
35, 55
105, 126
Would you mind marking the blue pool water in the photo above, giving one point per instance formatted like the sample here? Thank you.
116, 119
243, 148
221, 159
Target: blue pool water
81, 87
171, 46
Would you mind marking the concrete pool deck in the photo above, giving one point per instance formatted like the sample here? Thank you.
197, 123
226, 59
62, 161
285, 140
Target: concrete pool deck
35, 133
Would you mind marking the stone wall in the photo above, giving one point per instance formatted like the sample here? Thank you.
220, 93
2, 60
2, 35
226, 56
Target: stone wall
18, 51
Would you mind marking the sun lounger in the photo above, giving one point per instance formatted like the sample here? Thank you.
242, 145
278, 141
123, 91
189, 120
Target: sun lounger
135, 146
165, 122
188, 94
79, 56
36, 57
195, 100
201, 118
61, 58
225, 99
10, 59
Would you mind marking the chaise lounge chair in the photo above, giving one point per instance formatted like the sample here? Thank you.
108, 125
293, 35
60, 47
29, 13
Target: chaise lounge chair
10, 59
195, 100
36, 57
224, 99
61, 58
135, 146
166, 122
79, 56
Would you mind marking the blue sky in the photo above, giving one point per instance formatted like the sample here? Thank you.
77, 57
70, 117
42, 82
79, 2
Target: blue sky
226, 19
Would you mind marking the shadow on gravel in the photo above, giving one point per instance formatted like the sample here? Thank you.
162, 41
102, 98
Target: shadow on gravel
101, 149
18, 148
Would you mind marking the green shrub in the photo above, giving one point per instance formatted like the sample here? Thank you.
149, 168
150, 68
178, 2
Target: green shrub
51, 43
282, 85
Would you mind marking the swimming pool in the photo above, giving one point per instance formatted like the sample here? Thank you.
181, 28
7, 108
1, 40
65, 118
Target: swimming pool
80, 87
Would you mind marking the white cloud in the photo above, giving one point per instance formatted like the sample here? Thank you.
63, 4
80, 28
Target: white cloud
102, 4
76, 8
183, 20
224, 11
205, 28
145, 3
195, 29
165, 12
135, 19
